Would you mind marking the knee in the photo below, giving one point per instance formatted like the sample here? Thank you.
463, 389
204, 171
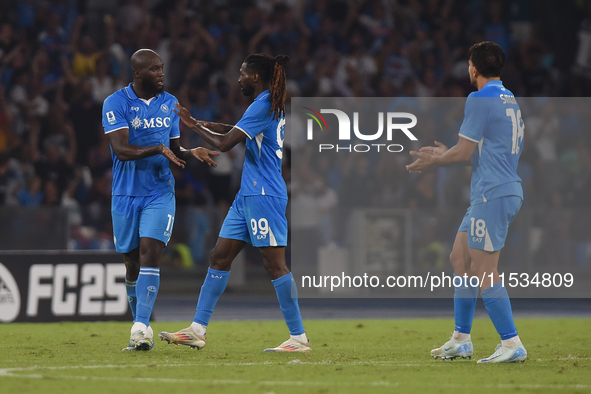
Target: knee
132, 266
458, 262
455, 259
132, 271
277, 269
150, 257
219, 261
278, 272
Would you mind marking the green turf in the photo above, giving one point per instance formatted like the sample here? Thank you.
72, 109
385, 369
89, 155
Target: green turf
349, 356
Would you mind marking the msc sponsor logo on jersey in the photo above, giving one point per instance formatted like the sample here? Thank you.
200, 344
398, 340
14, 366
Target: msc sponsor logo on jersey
137, 123
111, 117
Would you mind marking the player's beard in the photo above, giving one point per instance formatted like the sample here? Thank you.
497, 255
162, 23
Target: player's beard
151, 87
247, 90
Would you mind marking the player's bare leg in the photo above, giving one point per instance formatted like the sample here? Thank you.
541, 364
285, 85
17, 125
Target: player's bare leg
150, 252
460, 255
132, 270
221, 258
224, 253
274, 261
485, 264
132, 264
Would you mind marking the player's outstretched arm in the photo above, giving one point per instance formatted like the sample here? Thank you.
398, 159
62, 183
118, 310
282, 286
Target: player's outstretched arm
223, 142
216, 127
124, 151
431, 157
201, 154
191, 122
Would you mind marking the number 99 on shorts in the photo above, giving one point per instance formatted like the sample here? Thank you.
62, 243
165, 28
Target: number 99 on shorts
259, 228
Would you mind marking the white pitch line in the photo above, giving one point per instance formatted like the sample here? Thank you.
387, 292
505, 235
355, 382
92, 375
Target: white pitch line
426, 362
5, 373
299, 383
15, 372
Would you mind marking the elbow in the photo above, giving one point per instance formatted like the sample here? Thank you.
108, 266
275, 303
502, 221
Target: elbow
466, 156
120, 155
122, 158
225, 147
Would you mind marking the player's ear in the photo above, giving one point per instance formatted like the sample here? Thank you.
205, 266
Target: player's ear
255, 77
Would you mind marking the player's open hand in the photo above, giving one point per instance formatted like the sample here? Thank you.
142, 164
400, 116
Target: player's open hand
204, 155
172, 157
185, 116
425, 162
435, 150
207, 125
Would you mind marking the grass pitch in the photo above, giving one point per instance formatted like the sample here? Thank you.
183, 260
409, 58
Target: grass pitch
349, 356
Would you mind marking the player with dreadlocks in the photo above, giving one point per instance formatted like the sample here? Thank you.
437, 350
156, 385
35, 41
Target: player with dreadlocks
257, 215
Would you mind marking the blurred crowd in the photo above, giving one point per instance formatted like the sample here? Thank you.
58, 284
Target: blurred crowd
59, 59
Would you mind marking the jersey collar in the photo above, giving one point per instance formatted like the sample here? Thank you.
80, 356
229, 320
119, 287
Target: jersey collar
493, 83
131, 94
263, 95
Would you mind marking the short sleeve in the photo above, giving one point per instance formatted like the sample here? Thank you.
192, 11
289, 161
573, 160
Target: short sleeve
175, 132
476, 112
113, 115
255, 119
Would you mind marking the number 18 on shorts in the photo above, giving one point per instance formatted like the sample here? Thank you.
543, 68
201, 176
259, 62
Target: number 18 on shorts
487, 223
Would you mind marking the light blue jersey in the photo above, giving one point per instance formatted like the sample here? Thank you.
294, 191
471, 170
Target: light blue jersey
150, 122
261, 174
492, 118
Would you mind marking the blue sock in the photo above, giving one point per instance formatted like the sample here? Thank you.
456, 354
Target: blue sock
146, 289
498, 306
131, 298
465, 297
213, 287
287, 293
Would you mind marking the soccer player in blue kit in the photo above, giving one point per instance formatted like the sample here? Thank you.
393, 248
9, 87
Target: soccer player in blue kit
491, 136
143, 132
257, 215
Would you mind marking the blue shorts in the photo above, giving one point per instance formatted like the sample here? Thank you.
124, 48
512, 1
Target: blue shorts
139, 217
258, 220
487, 223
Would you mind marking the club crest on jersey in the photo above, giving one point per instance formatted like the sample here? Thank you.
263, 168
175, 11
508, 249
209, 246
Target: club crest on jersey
164, 108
